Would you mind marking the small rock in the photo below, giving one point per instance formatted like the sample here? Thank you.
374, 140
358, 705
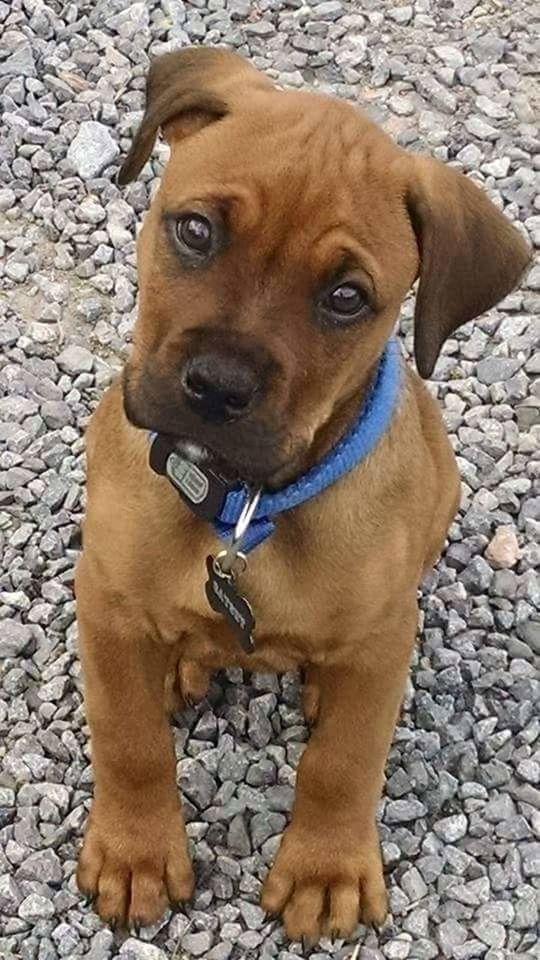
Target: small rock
197, 784
490, 933
403, 811
7, 199
74, 360
197, 944
133, 949
450, 56
530, 858
20, 63
450, 935
14, 638
92, 149
238, 840
529, 770
480, 129
496, 369
260, 28
451, 829
44, 865
35, 907
503, 550
413, 885
10, 896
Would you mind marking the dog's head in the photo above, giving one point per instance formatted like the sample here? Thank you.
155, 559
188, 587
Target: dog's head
286, 232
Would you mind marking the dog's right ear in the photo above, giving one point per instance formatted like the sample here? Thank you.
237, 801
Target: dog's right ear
186, 90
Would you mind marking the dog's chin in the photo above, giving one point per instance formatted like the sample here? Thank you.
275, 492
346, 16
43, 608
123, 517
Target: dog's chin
204, 456
238, 465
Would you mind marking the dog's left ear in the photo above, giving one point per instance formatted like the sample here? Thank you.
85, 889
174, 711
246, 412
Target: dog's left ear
186, 90
470, 254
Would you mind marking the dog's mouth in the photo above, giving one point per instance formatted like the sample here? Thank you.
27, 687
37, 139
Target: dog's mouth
256, 450
251, 465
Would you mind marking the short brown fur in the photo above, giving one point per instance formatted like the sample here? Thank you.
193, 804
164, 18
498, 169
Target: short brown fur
303, 179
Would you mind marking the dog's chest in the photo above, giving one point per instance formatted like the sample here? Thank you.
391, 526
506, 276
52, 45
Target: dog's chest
301, 614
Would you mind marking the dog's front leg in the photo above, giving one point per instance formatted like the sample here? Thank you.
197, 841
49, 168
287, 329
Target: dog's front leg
134, 857
328, 872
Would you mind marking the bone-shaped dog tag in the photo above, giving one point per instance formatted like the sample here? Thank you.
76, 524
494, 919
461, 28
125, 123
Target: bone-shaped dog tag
224, 599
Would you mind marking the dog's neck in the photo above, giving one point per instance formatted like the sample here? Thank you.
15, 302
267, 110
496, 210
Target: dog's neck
338, 423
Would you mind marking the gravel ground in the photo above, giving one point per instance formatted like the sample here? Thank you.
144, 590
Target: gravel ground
460, 821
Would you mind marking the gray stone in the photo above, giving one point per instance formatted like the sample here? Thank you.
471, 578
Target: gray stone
92, 149
259, 726
14, 638
496, 369
530, 858
480, 129
265, 825
74, 360
450, 934
525, 908
529, 770
404, 811
328, 10
20, 63
66, 939
10, 896
35, 907
56, 414
435, 93
7, 199
44, 865
196, 783
260, 28
451, 56
490, 933
197, 944
238, 840
413, 884
451, 829
133, 949
477, 576
221, 951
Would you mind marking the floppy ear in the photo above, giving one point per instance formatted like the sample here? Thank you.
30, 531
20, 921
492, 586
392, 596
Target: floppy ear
192, 87
470, 255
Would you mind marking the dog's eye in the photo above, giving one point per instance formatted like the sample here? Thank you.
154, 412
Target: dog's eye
195, 232
347, 300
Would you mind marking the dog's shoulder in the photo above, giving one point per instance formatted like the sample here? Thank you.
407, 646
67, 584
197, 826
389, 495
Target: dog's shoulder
112, 443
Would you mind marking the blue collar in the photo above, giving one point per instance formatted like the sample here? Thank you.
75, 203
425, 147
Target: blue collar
372, 421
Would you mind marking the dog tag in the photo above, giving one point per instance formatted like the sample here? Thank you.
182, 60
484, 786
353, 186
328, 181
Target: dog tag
203, 490
224, 599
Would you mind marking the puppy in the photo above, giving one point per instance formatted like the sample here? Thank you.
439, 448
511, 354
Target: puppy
273, 261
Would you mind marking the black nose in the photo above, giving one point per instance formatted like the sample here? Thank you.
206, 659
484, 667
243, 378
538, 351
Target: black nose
220, 388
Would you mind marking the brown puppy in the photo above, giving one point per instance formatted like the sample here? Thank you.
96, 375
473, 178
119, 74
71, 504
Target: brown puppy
286, 232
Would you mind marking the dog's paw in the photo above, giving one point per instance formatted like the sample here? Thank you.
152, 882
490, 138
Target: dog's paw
325, 885
131, 869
